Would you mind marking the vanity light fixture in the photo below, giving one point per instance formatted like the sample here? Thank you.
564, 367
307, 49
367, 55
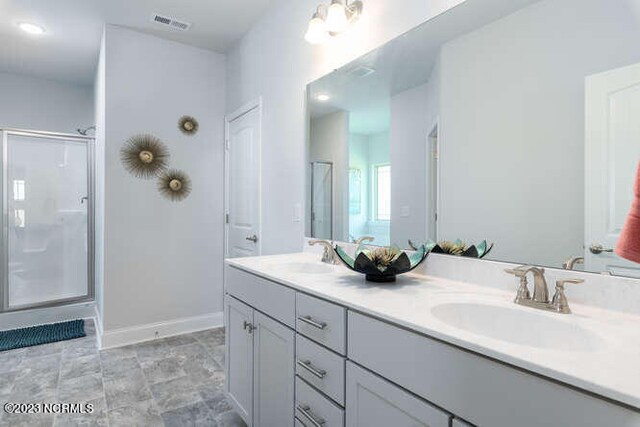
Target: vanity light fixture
31, 28
332, 20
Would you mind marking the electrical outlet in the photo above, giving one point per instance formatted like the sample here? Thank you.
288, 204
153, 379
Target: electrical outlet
297, 212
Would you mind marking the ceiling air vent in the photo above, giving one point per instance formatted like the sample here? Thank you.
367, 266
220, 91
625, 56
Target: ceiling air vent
361, 71
170, 22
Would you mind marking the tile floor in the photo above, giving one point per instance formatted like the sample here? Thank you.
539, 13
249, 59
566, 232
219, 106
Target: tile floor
175, 381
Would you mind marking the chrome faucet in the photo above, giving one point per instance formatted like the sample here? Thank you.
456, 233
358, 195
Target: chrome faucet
363, 239
571, 262
540, 298
329, 255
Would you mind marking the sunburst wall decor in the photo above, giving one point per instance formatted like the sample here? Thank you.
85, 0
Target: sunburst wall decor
174, 184
188, 125
144, 156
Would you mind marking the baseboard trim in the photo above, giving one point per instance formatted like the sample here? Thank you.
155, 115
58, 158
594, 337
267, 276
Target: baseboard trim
151, 331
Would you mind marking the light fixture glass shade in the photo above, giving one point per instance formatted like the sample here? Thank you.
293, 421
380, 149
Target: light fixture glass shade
337, 20
31, 28
317, 30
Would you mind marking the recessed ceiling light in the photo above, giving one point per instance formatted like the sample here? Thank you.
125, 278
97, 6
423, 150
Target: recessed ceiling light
31, 28
323, 97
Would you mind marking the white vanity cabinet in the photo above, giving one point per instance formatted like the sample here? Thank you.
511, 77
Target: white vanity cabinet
295, 359
373, 401
259, 360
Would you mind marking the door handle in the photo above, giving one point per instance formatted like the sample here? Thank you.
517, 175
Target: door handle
253, 238
597, 249
83, 199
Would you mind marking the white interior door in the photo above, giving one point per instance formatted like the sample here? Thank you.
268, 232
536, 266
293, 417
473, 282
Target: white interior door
612, 155
243, 184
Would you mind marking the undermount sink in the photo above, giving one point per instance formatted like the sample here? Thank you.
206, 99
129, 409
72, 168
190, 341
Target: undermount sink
521, 326
304, 268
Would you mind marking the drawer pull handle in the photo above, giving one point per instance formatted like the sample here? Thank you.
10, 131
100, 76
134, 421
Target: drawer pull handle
306, 411
246, 325
309, 321
306, 364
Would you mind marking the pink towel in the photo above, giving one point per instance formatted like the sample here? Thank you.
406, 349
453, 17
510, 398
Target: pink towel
629, 242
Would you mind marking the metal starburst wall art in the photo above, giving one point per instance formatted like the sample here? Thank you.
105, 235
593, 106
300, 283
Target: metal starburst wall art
144, 156
174, 185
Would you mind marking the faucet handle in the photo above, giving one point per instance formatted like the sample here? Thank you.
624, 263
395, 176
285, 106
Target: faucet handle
559, 301
523, 290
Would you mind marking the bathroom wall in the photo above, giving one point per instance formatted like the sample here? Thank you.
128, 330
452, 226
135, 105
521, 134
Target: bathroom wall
100, 94
329, 141
39, 104
414, 114
531, 152
162, 259
274, 61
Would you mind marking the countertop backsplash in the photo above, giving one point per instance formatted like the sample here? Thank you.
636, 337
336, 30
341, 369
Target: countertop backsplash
603, 291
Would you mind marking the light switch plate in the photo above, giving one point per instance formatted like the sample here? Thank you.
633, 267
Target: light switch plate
297, 212
405, 211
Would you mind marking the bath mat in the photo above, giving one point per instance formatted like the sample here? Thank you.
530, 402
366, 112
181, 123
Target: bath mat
43, 334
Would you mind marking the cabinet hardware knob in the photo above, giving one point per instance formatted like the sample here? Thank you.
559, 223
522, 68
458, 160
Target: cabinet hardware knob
248, 327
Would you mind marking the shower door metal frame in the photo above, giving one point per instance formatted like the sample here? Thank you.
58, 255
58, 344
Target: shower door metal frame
4, 246
311, 204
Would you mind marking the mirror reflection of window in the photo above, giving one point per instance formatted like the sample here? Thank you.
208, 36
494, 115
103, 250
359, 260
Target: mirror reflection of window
382, 191
19, 218
18, 190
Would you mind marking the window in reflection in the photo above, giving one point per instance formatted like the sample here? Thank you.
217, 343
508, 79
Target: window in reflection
382, 192
19, 218
18, 190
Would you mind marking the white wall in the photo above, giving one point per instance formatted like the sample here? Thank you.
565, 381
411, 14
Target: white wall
162, 259
100, 94
329, 142
359, 159
414, 113
47, 105
274, 61
512, 124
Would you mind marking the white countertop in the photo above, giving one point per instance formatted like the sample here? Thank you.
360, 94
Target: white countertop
607, 365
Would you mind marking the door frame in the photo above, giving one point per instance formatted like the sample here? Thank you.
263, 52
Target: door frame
246, 108
433, 143
4, 227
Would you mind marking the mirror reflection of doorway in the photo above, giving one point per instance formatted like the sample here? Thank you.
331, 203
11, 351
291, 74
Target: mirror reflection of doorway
433, 153
322, 200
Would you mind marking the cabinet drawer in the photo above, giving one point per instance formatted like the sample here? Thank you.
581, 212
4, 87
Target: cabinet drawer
372, 401
315, 410
275, 300
321, 368
480, 390
321, 321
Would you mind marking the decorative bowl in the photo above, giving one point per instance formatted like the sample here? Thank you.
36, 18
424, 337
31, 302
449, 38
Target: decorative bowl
460, 248
382, 264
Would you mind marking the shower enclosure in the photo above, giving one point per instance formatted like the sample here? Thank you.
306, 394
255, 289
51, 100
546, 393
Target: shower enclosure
322, 200
47, 219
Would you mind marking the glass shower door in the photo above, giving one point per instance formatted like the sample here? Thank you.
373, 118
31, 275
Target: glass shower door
322, 200
46, 203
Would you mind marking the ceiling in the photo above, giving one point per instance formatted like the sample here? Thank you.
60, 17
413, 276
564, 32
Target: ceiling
68, 51
403, 63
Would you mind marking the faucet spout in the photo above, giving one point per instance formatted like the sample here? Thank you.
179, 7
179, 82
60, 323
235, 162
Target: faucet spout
329, 255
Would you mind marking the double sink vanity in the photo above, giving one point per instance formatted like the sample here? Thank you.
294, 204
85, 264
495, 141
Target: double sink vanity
313, 344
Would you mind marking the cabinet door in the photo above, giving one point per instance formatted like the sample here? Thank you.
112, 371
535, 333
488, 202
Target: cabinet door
273, 373
239, 357
375, 402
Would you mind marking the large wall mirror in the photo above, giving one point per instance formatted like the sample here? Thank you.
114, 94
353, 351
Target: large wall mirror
514, 121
